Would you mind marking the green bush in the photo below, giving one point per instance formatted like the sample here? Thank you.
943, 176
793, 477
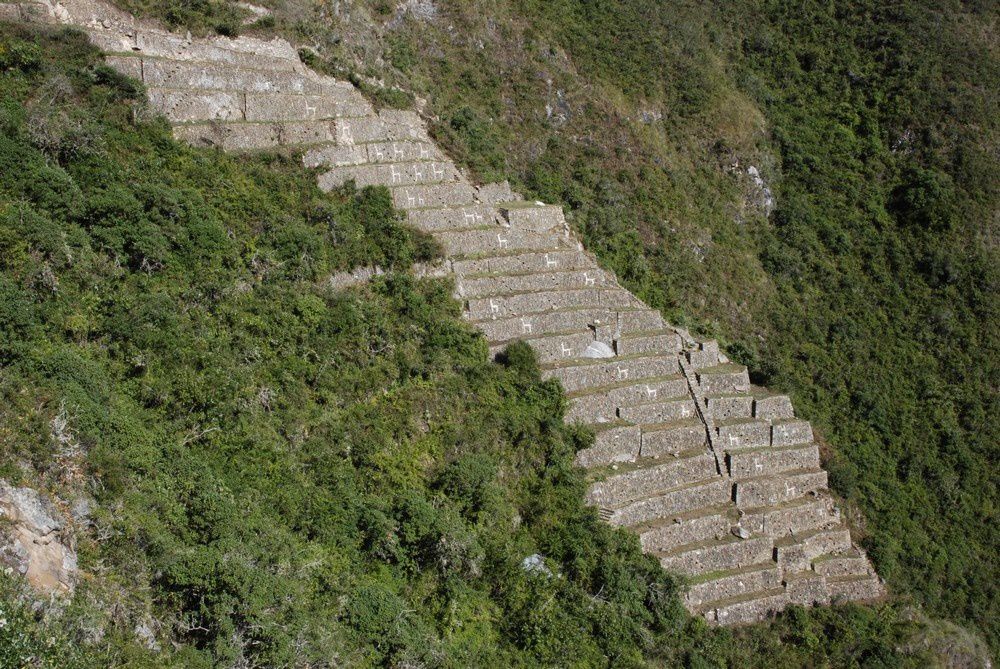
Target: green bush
18, 54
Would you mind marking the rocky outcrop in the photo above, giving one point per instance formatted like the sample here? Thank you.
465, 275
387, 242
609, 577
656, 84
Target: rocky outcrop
34, 541
719, 478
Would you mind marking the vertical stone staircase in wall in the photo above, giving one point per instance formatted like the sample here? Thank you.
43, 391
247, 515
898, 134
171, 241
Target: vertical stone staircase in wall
720, 479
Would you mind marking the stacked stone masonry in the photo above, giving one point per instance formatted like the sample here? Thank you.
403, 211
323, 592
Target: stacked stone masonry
720, 479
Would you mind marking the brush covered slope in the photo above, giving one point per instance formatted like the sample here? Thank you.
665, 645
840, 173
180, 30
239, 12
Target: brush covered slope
814, 184
272, 487
720, 479
280, 474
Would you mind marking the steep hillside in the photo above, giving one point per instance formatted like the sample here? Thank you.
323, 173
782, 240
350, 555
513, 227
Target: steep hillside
816, 185
720, 479
287, 474
282, 474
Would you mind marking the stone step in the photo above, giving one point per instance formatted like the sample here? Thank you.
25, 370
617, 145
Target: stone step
618, 443
219, 51
806, 589
581, 376
855, 589
747, 609
705, 355
403, 151
601, 405
524, 304
524, 283
187, 106
605, 323
851, 563
751, 463
389, 125
635, 324
334, 155
774, 490
671, 438
494, 241
392, 175
186, 75
662, 341
272, 107
663, 411
437, 195
80, 14
704, 594
773, 407
641, 320
244, 136
673, 385
740, 434
556, 348
498, 193
826, 541
791, 433
194, 106
549, 323
797, 516
698, 495
723, 379
11, 12
645, 477
103, 16
455, 218
526, 263
714, 556
795, 553
668, 534
534, 216
729, 407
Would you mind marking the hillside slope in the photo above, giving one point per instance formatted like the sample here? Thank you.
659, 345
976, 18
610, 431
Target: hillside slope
815, 185
281, 474
393, 247
720, 479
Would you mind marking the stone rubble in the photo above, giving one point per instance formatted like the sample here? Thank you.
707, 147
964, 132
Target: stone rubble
719, 478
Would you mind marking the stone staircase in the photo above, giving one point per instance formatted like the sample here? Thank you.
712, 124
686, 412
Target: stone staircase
720, 479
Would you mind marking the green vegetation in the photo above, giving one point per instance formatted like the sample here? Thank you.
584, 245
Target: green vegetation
199, 16
283, 474
869, 292
286, 475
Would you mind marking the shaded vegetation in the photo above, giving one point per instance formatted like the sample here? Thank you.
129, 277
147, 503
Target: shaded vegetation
200, 16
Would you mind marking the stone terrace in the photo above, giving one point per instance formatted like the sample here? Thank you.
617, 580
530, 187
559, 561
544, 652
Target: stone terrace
720, 479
